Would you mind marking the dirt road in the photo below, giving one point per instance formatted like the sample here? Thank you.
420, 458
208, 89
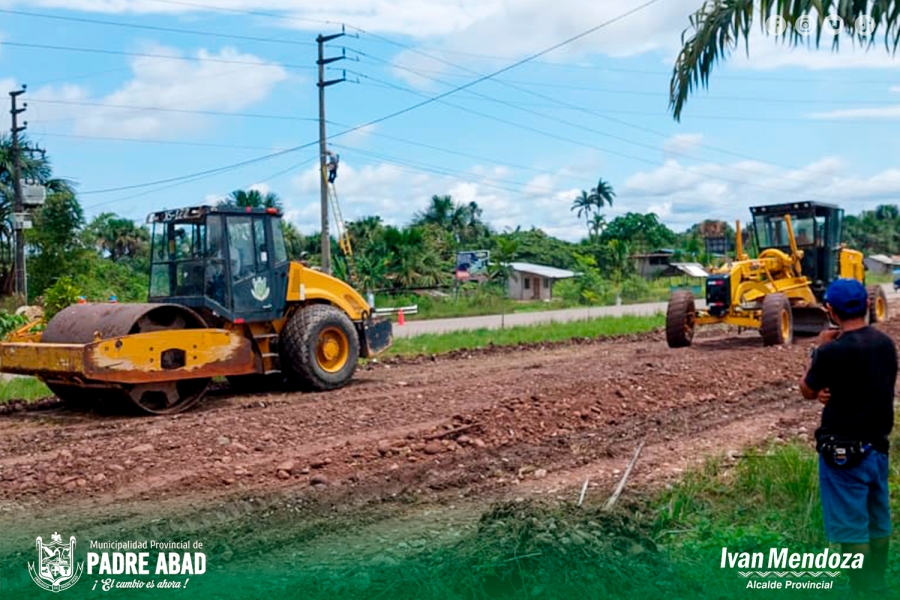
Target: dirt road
490, 424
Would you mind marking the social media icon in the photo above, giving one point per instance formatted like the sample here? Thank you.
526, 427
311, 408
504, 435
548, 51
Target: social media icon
776, 25
804, 25
864, 25
833, 24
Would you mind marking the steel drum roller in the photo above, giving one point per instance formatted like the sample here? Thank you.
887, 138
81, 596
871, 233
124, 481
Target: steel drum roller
82, 323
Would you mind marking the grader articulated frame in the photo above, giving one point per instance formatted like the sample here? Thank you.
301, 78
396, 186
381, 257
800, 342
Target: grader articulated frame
781, 291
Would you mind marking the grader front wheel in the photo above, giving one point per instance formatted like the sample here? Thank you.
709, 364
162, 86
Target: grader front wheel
777, 325
681, 315
877, 304
320, 347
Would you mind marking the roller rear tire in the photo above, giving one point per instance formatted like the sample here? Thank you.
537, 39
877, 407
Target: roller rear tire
319, 348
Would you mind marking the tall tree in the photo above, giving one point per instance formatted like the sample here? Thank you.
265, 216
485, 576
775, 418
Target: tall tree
589, 205
463, 221
117, 237
253, 198
32, 167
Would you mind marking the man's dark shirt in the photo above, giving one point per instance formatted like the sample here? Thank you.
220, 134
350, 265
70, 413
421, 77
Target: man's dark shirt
860, 370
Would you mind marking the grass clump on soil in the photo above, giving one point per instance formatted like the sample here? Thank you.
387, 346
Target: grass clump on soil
666, 545
28, 389
436, 343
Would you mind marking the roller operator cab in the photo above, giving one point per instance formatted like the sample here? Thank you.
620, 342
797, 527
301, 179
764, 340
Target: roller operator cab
781, 290
230, 264
224, 300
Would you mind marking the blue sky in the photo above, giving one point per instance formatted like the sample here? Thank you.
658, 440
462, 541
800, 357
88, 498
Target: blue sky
780, 125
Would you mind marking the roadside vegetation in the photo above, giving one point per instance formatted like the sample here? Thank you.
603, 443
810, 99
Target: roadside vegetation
531, 334
666, 544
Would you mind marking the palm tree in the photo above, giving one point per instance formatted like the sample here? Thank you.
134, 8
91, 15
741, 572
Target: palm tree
602, 195
117, 237
596, 224
719, 26
584, 205
253, 198
440, 212
33, 167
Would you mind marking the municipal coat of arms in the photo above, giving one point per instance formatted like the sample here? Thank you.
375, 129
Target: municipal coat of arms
260, 289
55, 569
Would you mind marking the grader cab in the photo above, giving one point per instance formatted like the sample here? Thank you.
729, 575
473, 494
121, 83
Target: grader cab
224, 300
781, 291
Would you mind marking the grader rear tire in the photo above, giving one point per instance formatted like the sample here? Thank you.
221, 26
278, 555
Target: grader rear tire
777, 320
877, 304
680, 317
319, 348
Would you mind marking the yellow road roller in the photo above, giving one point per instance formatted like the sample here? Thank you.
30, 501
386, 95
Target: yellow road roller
224, 300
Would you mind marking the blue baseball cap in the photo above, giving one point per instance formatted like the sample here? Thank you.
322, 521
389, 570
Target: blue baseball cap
847, 297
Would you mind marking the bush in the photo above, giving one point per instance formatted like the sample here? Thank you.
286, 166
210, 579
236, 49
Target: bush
58, 296
635, 289
9, 322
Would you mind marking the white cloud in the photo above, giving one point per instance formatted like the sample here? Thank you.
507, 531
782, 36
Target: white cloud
397, 193
167, 83
681, 143
876, 112
684, 196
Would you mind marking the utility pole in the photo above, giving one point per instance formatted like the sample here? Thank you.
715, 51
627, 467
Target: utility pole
323, 149
19, 206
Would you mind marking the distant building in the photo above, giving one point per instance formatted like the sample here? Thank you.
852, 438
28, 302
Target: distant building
528, 281
652, 264
880, 264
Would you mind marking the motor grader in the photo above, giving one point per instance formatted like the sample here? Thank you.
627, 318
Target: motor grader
224, 300
781, 292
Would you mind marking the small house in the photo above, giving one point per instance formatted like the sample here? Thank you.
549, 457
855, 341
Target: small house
651, 264
528, 281
880, 264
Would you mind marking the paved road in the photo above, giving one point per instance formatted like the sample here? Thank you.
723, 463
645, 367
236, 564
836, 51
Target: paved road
412, 328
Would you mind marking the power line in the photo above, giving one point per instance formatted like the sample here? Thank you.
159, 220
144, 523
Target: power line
600, 148
440, 170
252, 13
247, 38
419, 167
571, 107
200, 174
145, 141
509, 67
452, 152
191, 180
151, 55
214, 113
628, 70
395, 113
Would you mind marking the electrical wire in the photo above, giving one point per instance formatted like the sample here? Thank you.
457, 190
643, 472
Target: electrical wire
246, 38
214, 113
152, 55
395, 113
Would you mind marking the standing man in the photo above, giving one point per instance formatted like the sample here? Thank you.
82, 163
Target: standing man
853, 373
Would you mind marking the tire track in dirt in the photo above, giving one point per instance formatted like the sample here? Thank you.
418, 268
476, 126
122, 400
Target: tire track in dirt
482, 423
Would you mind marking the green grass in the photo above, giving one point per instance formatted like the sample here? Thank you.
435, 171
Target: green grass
23, 388
544, 332
885, 278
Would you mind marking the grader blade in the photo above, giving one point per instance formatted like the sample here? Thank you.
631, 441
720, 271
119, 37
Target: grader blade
810, 320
